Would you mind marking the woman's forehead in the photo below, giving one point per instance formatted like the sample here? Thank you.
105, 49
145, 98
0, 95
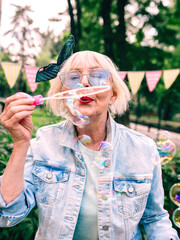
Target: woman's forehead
88, 63
80, 68
86, 60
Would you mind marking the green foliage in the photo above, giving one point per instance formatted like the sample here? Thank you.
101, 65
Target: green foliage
42, 117
25, 230
164, 102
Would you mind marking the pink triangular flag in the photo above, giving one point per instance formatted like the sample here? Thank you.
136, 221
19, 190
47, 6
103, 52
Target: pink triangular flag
152, 78
122, 74
31, 76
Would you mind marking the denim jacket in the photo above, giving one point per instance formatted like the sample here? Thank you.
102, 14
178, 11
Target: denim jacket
55, 176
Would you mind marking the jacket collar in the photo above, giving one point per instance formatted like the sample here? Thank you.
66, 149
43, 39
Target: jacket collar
68, 137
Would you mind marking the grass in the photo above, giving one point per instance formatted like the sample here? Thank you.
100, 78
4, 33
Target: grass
42, 117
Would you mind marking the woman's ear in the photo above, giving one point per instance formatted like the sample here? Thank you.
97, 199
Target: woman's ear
113, 97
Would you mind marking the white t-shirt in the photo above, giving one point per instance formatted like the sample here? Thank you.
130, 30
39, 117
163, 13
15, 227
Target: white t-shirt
87, 225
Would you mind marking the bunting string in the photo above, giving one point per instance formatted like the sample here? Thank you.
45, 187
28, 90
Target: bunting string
11, 72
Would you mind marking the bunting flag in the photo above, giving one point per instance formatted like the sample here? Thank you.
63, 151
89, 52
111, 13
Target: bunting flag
135, 79
31, 76
169, 76
11, 71
122, 74
152, 78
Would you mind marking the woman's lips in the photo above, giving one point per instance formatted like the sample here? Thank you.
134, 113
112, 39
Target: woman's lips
85, 100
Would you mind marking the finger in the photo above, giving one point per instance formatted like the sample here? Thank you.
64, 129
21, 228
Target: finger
18, 99
16, 109
20, 102
16, 118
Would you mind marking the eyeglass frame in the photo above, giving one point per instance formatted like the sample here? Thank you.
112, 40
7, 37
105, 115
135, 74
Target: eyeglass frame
81, 76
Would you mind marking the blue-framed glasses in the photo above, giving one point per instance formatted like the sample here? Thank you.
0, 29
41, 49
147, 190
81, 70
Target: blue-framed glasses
97, 77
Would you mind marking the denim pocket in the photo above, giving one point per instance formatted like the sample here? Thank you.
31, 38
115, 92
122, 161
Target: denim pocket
49, 183
131, 195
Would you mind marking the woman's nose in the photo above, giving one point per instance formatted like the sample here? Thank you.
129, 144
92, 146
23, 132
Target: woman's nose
84, 80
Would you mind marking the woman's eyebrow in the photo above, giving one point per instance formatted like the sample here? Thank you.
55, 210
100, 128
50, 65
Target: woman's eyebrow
80, 69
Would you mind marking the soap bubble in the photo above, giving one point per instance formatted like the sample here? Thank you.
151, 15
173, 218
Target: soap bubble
85, 139
165, 146
106, 197
98, 161
174, 194
74, 115
162, 135
105, 148
71, 100
176, 217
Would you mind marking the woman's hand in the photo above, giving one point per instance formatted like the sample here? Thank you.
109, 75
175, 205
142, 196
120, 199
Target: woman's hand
16, 117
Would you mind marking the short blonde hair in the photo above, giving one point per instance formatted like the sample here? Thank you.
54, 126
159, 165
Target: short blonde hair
91, 58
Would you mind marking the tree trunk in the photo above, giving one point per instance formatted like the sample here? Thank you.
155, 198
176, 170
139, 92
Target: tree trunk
121, 34
121, 51
159, 112
79, 27
72, 22
107, 30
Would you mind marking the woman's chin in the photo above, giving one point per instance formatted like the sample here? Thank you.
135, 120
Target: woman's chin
85, 111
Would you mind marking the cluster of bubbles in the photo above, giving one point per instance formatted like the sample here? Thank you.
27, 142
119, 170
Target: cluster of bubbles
167, 150
73, 113
174, 194
102, 158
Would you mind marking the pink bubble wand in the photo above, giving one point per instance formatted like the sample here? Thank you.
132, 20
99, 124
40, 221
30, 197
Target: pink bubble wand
73, 93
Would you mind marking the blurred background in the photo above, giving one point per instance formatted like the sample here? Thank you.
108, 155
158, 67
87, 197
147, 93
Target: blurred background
141, 37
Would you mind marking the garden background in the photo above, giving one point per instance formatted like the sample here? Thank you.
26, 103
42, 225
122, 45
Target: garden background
138, 36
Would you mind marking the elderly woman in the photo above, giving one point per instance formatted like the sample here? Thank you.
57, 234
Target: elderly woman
77, 199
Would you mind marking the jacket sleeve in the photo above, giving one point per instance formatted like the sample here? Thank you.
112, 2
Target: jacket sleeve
155, 218
14, 212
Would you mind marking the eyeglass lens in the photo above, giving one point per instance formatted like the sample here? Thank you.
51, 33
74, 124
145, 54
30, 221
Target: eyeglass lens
97, 77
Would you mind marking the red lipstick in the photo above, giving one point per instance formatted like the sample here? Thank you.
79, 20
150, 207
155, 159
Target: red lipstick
85, 100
